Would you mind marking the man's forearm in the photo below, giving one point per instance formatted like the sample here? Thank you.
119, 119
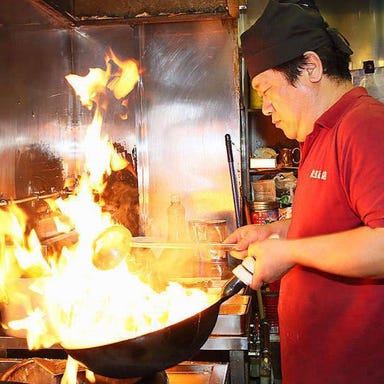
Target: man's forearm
354, 253
281, 227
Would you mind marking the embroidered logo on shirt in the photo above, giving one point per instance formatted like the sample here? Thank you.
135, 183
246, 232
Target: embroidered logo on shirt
318, 174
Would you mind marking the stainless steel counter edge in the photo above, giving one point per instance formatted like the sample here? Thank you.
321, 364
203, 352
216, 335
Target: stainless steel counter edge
226, 343
239, 343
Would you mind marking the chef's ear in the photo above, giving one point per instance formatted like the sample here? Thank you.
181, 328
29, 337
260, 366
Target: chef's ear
313, 66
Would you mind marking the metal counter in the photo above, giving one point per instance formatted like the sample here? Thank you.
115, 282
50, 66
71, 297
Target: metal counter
231, 333
184, 373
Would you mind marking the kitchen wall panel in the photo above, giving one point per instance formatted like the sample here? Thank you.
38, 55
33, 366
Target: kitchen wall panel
185, 103
34, 99
190, 101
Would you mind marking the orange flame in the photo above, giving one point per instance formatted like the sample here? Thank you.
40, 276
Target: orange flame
65, 298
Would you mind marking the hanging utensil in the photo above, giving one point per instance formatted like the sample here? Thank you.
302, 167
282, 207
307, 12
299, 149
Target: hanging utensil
235, 191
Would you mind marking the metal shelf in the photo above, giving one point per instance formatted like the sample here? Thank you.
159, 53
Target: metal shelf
264, 171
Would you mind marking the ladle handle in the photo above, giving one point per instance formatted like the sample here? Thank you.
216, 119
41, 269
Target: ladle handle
233, 286
242, 278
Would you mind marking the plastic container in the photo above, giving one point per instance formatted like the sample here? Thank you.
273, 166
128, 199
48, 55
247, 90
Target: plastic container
176, 263
372, 80
264, 190
264, 212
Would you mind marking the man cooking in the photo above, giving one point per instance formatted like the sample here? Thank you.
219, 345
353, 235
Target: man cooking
330, 255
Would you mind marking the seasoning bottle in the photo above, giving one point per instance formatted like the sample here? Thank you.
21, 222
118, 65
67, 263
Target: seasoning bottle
176, 220
176, 263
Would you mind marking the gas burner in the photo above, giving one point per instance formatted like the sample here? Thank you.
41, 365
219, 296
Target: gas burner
48, 371
157, 378
39, 370
160, 377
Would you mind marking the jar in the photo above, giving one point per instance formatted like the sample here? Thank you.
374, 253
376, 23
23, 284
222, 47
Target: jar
213, 262
264, 212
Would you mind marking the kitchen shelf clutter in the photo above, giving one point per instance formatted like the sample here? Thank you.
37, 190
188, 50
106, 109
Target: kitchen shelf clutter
267, 153
269, 164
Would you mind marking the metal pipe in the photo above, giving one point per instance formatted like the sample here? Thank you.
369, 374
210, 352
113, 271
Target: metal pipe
5, 202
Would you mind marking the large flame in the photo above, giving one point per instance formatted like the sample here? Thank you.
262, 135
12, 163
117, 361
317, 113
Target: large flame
65, 298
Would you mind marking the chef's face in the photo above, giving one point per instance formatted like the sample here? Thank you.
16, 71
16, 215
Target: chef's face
288, 105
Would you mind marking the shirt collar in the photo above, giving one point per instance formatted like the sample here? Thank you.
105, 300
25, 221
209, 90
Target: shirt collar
331, 116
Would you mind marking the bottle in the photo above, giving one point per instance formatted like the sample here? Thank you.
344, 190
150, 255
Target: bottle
176, 263
371, 81
176, 220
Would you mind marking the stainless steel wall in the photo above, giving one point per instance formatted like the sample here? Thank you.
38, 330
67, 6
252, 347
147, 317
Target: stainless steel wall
34, 100
361, 21
190, 102
186, 101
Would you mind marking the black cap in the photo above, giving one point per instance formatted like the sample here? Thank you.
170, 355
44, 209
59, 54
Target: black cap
285, 31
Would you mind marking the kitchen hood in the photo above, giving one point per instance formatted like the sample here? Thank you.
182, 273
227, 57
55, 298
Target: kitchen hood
80, 12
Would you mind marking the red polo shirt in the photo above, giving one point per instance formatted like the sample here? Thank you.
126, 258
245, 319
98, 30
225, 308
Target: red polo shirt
331, 327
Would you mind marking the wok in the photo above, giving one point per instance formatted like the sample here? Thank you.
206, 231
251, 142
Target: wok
145, 355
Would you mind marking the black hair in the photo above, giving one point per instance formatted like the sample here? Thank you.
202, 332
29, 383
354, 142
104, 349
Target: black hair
335, 65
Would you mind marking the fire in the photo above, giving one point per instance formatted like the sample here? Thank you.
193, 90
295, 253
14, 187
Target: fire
65, 298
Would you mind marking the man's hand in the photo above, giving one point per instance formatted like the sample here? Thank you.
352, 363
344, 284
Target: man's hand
272, 261
248, 234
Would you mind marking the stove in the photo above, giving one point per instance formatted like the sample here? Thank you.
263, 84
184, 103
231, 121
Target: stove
50, 371
230, 334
